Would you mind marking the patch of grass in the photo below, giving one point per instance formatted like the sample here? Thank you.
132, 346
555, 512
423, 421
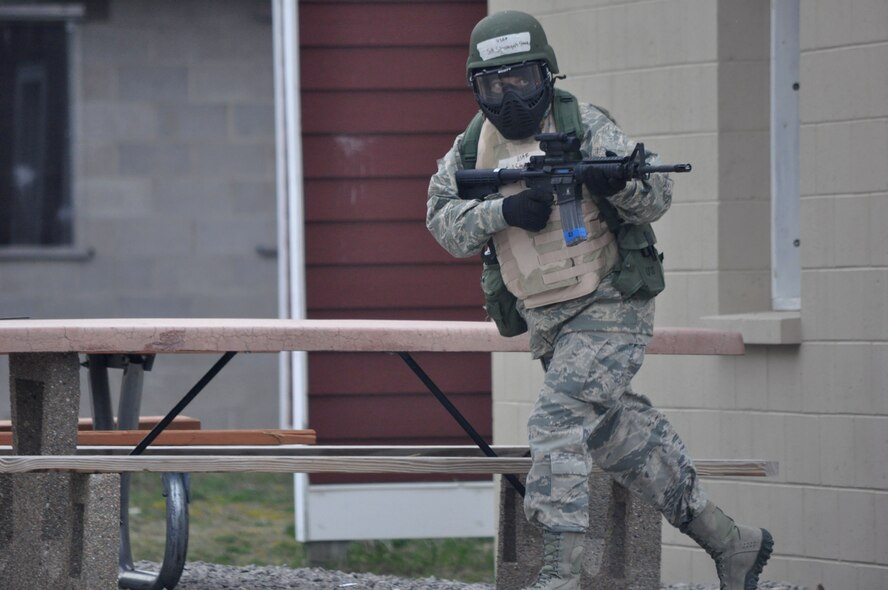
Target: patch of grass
467, 560
241, 519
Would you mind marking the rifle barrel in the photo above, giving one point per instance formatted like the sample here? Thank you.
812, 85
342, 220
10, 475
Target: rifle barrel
666, 168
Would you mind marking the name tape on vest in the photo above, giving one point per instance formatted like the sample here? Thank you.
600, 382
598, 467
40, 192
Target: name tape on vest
517, 162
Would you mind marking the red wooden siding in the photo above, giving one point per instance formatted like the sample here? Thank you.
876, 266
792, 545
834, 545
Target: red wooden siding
383, 96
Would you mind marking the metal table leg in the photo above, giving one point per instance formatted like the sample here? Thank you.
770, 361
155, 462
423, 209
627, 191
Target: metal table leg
175, 489
103, 412
175, 485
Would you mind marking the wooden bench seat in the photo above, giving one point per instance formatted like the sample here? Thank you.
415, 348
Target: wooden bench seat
183, 437
145, 423
182, 431
312, 460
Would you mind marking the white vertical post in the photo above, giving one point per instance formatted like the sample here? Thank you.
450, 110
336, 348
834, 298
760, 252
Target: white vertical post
293, 399
786, 266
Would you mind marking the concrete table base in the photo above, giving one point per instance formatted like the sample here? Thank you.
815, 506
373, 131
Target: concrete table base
622, 550
55, 528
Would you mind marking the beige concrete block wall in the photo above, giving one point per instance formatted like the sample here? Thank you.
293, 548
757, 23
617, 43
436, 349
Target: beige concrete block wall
691, 79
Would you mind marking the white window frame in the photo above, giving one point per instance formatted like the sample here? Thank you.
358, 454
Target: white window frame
71, 13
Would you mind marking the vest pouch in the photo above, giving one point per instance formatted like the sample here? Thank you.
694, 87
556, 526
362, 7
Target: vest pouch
640, 272
500, 303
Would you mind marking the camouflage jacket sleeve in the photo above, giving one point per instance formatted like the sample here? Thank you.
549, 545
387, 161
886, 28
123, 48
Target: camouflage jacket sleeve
462, 227
642, 201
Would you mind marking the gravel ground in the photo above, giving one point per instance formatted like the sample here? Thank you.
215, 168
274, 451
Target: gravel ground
207, 576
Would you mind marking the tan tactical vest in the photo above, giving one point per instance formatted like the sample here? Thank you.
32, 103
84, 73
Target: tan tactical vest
538, 267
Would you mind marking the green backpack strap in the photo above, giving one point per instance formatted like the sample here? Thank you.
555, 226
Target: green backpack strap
468, 147
566, 110
568, 119
567, 113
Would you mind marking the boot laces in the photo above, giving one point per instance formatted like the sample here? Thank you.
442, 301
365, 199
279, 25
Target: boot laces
551, 556
546, 575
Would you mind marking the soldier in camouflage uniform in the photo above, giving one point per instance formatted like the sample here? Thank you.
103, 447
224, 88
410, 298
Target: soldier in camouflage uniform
592, 338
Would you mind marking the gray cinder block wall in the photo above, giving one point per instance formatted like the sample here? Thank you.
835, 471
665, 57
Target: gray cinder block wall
691, 79
172, 107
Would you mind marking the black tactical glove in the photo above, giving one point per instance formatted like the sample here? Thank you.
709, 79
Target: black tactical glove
600, 182
529, 209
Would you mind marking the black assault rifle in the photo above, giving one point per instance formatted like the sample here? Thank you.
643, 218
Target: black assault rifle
560, 170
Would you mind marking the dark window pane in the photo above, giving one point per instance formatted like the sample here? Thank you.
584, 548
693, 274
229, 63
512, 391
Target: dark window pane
35, 203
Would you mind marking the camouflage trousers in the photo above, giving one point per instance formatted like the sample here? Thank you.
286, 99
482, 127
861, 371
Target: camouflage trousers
587, 414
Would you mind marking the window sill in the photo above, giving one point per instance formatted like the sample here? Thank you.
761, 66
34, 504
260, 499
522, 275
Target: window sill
37, 253
767, 327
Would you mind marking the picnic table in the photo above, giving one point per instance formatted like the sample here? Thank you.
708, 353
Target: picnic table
68, 504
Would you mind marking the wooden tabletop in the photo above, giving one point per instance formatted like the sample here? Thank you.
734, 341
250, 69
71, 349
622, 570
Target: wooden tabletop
184, 335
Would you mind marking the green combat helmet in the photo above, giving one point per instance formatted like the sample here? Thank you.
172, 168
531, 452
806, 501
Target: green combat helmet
511, 69
492, 36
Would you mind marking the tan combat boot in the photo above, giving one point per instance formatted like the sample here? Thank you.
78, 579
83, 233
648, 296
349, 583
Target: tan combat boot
739, 552
562, 559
